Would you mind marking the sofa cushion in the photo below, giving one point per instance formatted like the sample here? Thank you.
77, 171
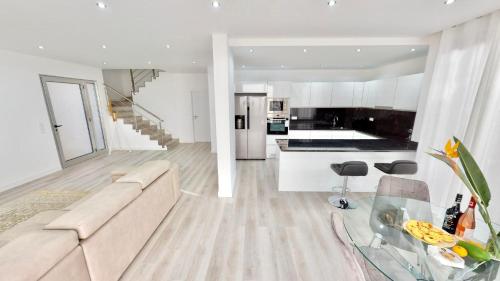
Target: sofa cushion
32, 255
91, 214
146, 173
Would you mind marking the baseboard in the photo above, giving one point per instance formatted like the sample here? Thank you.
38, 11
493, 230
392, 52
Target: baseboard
29, 179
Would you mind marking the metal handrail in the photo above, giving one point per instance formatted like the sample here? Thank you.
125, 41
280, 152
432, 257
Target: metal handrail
134, 103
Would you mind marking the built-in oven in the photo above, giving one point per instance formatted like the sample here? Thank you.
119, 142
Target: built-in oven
277, 126
277, 108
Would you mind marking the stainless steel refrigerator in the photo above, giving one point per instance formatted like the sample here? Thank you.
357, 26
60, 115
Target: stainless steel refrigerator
251, 126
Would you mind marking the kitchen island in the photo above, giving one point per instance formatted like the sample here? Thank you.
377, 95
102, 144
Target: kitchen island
304, 164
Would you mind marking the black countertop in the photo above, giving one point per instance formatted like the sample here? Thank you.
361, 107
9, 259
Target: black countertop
346, 145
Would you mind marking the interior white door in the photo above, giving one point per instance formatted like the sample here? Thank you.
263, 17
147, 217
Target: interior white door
201, 116
71, 121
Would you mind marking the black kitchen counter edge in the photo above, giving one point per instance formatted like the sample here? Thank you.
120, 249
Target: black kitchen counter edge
345, 145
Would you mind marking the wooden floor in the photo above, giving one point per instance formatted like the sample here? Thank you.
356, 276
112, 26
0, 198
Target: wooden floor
259, 234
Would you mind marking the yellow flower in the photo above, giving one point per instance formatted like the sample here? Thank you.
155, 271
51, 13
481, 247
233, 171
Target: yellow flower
451, 151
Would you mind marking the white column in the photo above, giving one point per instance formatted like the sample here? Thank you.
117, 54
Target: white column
211, 101
223, 73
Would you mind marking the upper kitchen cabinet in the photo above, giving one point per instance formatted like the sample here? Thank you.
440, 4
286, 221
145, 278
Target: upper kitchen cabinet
299, 95
343, 94
385, 91
279, 89
408, 92
321, 94
357, 96
369, 94
251, 87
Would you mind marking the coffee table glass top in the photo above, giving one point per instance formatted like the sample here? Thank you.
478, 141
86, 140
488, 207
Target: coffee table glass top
375, 228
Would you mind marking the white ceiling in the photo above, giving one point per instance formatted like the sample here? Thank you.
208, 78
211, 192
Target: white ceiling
136, 32
327, 57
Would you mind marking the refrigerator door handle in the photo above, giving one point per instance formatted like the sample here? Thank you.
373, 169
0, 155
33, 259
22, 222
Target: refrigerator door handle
248, 117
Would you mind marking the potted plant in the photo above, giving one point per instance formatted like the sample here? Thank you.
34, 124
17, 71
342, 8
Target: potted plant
470, 174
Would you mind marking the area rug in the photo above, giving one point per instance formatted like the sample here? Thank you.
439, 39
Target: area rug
35, 202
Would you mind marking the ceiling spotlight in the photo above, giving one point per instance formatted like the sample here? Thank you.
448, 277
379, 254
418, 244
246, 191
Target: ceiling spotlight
40, 47
305, 50
168, 46
358, 50
104, 63
243, 66
149, 62
332, 3
449, 2
103, 46
215, 4
251, 50
412, 50
282, 66
193, 62
101, 5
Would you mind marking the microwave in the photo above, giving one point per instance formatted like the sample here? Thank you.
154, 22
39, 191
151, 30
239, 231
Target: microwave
277, 107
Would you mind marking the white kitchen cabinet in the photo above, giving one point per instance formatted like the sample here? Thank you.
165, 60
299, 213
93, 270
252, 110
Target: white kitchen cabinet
321, 94
299, 95
408, 92
299, 134
251, 87
343, 94
385, 90
369, 94
357, 96
279, 89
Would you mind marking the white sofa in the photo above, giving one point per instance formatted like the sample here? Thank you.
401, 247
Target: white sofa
99, 238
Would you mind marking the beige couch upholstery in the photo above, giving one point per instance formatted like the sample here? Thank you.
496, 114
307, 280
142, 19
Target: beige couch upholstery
99, 238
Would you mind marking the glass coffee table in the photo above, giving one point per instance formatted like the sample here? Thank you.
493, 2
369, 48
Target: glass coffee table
376, 232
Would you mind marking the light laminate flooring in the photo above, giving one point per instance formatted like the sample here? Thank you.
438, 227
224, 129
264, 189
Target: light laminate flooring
259, 234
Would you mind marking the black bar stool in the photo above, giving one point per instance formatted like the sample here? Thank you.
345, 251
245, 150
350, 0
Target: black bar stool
347, 169
398, 167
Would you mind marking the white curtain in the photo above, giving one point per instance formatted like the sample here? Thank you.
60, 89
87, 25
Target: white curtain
464, 101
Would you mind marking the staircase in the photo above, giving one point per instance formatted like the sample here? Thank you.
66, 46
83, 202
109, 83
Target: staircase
142, 120
139, 77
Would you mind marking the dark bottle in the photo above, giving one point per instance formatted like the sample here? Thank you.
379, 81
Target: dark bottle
452, 215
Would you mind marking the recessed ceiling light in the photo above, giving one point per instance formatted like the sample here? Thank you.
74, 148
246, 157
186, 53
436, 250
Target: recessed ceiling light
193, 62
358, 50
40, 47
449, 2
215, 4
149, 62
101, 5
104, 63
282, 66
332, 3
243, 66
412, 50
251, 50
103, 46
168, 46
305, 50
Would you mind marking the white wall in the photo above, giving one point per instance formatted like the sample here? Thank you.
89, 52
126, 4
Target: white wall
223, 72
119, 79
412, 66
169, 96
27, 147
211, 99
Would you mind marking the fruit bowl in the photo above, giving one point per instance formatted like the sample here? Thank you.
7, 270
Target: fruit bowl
429, 234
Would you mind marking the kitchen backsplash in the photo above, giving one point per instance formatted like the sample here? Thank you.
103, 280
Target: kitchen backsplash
385, 123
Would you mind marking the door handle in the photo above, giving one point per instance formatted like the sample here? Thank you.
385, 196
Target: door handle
57, 126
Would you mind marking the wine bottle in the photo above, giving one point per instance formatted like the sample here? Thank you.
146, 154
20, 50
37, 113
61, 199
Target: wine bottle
452, 215
467, 222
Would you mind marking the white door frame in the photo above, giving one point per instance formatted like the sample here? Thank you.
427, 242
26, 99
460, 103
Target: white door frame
85, 100
193, 116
